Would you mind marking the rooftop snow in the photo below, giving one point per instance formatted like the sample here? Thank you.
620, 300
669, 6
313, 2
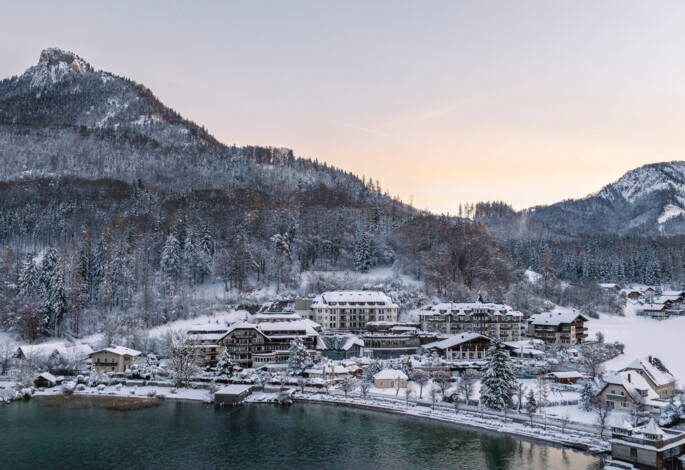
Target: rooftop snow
554, 318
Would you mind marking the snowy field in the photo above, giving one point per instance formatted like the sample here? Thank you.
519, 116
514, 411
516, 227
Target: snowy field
643, 337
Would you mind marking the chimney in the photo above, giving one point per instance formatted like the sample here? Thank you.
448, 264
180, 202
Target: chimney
629, 378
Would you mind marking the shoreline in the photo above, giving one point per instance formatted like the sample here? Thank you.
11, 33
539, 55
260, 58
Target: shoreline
583, 442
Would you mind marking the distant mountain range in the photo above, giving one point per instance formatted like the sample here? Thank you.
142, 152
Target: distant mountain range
646, 201
649, 200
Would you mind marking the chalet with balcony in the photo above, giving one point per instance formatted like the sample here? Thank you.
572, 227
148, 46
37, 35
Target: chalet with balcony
461, 346
253, 345
558, 329
114, 359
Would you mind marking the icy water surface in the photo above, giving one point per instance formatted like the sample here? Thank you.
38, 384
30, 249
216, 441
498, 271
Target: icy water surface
196, 436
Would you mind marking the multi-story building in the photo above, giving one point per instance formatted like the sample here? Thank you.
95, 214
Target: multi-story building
206, 345
252, 345
558, 329
114, 359
496, 321
352, 310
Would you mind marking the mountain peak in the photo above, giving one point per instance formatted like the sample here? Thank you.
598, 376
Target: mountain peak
56, 65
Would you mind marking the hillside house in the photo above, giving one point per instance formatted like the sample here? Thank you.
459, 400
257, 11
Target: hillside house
114, 359
658, 377
624, 391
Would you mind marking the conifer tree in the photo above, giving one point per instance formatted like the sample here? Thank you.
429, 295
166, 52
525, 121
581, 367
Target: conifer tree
499, 382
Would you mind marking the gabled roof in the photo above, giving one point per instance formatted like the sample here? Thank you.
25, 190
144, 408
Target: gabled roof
555, 318
454, 340
48, 376
633, 383
654, 369
61, 348
119, 351
390, 374
351, 342
651, 428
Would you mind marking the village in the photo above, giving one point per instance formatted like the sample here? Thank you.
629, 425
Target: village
476, 363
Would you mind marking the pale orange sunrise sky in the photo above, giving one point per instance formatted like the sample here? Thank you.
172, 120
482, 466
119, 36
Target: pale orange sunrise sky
529, 102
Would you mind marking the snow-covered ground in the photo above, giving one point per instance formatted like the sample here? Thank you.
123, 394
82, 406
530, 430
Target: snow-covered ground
216, 320
643, 337
136, 392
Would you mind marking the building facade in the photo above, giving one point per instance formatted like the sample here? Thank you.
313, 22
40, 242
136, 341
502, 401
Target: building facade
496, 321
114, 359
558, 329
253, 345
352, 310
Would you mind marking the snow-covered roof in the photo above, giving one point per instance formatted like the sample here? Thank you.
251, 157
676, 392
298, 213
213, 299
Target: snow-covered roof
618, 420
651, 428
390, 374
634, 383
48, 376
61, 348
377, 297
234, 389
241, 325
554, 318
214, 336
566, 375
467, 308
351, 342
119, 351
454, 340
654, 369
266, 317
290, 326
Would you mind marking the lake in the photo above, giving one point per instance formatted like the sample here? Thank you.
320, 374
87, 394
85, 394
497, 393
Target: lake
303, 436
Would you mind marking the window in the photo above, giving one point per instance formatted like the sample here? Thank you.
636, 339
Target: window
624, 404
633, 454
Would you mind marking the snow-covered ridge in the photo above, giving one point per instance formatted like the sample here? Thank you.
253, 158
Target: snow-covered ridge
56, 65
643, 181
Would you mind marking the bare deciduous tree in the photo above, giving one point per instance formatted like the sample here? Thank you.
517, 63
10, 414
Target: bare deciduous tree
182, 358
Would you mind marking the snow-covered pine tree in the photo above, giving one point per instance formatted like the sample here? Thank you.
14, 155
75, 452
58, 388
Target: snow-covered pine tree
171, 259
28, 278
372, 369
363, 259
499, 381
225, 365
299, 357
531, 405
51, 290
587, 395
669, 415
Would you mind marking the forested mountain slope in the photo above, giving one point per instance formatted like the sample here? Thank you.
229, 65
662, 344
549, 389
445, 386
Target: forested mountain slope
117, 212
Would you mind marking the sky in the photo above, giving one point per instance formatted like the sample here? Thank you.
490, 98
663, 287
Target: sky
528, 102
